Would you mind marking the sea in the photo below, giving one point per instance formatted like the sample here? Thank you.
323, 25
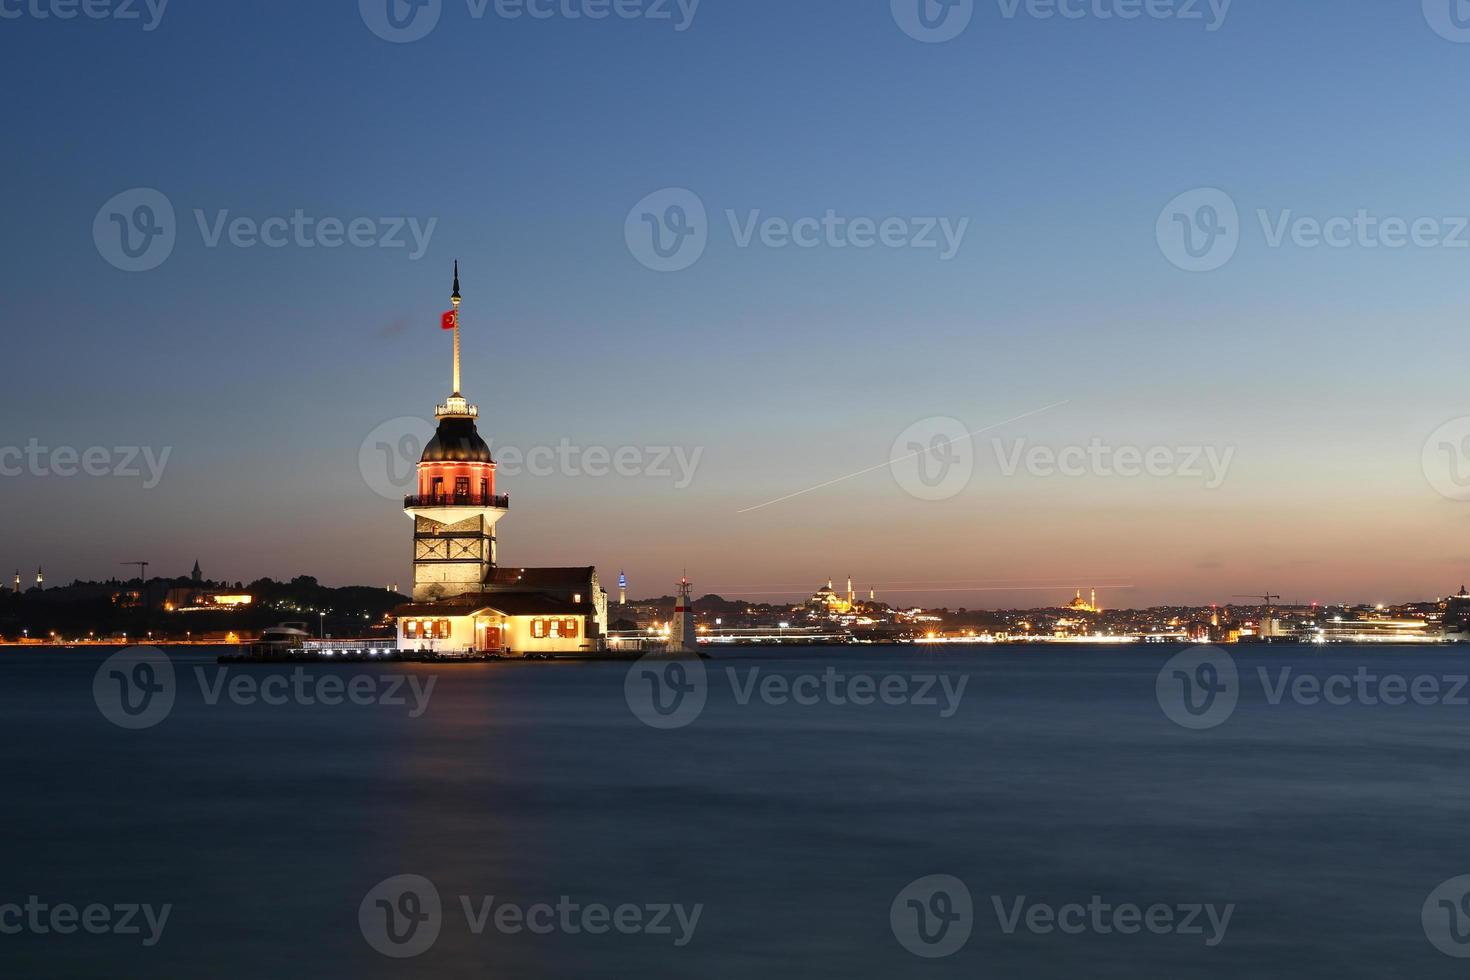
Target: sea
846, 812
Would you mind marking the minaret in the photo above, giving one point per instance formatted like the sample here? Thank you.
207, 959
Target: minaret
17, 581
850, 597
456, 508
40, 578
683, 638
622, 588
1094, 601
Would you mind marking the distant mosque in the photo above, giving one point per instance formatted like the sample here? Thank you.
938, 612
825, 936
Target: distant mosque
1081, 605
827, 602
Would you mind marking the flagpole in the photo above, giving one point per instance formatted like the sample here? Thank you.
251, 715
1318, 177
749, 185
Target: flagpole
455, 300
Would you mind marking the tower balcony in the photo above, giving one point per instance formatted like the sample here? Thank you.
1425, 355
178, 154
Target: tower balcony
499, 501
456, 407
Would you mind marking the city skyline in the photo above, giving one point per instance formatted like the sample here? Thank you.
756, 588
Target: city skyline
788, 376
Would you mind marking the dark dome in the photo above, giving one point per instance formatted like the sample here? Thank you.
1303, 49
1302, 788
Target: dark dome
456, 441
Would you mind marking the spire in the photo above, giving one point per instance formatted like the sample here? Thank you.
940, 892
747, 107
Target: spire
454, 298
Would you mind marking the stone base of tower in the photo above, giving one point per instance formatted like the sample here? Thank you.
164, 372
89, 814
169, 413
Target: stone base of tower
451, 559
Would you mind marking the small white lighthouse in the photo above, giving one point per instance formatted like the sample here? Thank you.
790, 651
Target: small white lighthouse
682, 637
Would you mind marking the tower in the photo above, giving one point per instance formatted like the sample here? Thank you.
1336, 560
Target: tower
682, 638
40, 578
456, 508
197, 575
622, 588
850, 597
17, 581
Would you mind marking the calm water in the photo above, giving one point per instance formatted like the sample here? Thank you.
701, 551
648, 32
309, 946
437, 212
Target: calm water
793, 826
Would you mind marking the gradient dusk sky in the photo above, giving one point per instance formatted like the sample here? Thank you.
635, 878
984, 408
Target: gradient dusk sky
1335, 377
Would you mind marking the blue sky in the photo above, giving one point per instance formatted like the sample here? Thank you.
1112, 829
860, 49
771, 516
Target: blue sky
528, 141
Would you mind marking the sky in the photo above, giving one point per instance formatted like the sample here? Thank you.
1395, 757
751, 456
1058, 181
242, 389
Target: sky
1058, 317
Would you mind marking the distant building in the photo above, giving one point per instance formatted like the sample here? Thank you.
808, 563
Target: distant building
191, 599
1455, 618
1081, 605
826, 602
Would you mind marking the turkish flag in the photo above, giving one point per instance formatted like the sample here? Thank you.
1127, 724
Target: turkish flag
450, 320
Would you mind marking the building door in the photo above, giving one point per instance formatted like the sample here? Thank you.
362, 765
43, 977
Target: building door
487, 636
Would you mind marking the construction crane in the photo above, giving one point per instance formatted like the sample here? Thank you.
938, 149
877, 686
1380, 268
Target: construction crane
1266, 600
143, 591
